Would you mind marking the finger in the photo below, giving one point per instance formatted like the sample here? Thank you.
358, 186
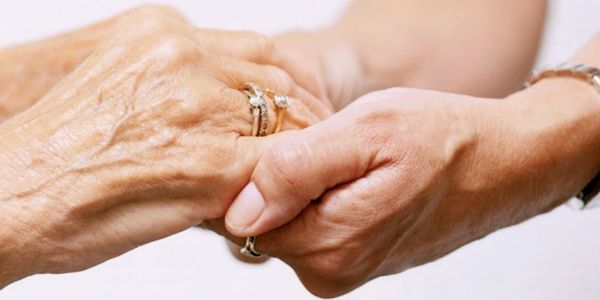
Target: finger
245, 45
297, 116
340, 222
295, 171
235, 73
258, 48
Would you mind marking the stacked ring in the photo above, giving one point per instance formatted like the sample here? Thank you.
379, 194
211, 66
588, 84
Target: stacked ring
248, 249
258, 105
260, 123
281, 104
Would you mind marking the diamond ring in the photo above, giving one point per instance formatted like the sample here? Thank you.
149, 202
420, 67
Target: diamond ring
260, 123
281, 104
258, 105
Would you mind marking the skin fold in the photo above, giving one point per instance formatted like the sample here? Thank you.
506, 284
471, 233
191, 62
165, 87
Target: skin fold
146, 137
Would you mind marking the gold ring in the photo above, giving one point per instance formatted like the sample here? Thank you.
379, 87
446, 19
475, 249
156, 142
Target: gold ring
258, 105
248, 249
281, 104
260, 123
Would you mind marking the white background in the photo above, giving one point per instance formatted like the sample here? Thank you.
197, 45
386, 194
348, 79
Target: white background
555, 256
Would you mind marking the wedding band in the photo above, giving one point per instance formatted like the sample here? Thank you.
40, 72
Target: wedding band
260, 123
258, 105
256, 108
281, 104
248, 249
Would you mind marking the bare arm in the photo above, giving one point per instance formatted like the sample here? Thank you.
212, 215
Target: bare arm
482, 48
473, 47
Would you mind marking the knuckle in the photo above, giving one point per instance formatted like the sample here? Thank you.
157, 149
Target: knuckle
149, 9
262, 42
150, 19
280, 80
156, 11
145, 26
376, 125
174, 48
286, 163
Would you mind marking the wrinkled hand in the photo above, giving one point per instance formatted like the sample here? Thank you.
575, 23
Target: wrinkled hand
402, 177
146, 137
29, 71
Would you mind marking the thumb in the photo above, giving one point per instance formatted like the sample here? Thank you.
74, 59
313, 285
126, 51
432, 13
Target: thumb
300, 168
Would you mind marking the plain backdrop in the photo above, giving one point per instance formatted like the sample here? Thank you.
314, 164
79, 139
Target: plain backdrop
554, 256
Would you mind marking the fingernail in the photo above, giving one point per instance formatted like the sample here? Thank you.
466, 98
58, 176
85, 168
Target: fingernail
246, 209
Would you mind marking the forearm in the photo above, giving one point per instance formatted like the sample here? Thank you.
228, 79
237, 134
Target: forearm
36, 189
482, 48
475, 47
549, 140
563, 116
30, 173
557, 121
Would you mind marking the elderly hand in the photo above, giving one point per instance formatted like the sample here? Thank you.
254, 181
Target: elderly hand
146, 137
402, 177
29, 71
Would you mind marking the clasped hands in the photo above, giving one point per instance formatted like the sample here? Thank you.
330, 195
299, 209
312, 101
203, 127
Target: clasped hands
148, 135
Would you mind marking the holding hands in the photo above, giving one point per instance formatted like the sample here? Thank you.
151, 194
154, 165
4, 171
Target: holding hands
402, 177
149, 135
142, 129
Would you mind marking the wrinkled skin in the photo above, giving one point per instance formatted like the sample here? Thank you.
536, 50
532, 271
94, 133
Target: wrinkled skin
148, 136
29, 71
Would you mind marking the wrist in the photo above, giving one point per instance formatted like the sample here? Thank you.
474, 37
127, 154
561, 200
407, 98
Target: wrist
560, 119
